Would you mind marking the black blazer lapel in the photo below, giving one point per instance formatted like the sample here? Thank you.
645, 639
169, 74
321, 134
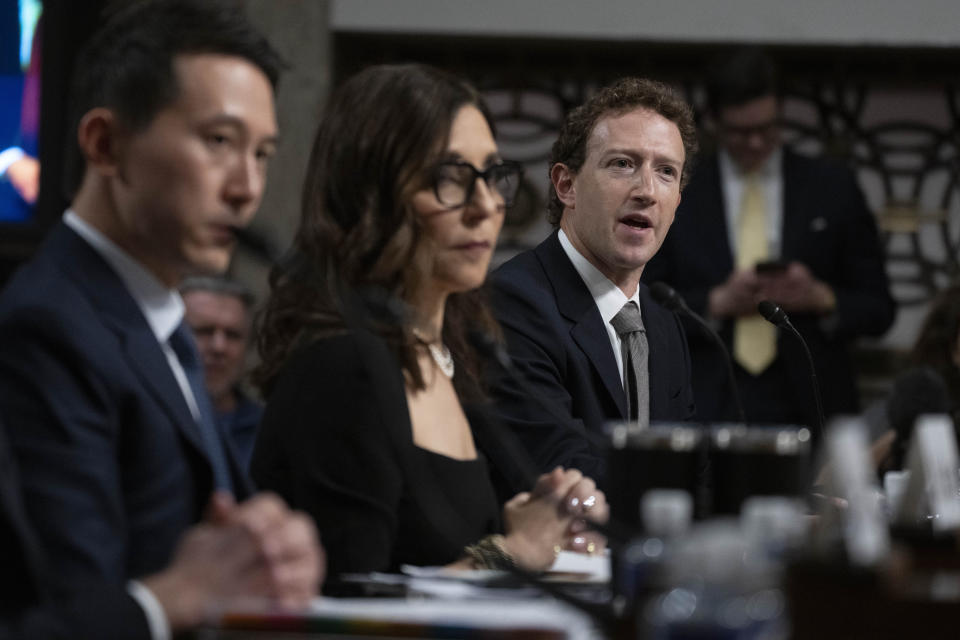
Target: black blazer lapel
577, 305
117, 308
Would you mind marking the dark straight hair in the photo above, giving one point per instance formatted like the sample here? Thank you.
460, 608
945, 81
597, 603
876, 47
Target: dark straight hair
739, 77
127, 66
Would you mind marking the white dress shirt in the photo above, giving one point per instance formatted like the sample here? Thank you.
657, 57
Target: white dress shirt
607, 296
162, 307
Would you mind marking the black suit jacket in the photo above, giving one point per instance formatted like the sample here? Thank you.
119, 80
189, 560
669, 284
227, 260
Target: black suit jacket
558, 341
111, 461
27, 609
827, 227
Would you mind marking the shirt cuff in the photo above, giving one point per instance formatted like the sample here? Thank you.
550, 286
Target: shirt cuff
8, 157
152, 609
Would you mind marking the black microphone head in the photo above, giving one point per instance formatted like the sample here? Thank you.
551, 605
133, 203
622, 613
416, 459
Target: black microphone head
772, 313
666, 296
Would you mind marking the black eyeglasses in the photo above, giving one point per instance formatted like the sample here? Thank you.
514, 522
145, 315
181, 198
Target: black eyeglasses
454, 182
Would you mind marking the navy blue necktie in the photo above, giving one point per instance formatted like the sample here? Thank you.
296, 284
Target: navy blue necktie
186, 349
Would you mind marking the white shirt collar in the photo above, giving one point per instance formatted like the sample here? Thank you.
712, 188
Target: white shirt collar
162, 307
608, 296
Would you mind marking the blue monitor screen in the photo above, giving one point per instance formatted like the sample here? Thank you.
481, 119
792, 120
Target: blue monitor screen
19, 107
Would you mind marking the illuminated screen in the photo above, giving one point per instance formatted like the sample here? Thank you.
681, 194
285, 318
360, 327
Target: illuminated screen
19, 107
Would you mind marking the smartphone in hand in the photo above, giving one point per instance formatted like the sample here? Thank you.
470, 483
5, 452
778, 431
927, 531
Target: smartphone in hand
771, 267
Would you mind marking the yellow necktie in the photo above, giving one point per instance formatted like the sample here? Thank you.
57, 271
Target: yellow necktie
754, 339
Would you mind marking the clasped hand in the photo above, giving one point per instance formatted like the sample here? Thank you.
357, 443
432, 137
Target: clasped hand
257, 548
552, 516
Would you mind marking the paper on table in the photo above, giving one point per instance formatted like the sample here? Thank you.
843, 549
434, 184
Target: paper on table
589, 568
419, 617
569, 566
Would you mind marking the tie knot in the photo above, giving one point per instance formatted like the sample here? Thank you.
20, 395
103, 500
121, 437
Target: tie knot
627, 320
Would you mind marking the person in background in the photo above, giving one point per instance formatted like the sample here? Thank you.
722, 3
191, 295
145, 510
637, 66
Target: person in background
374, 423
761, 222
101, 388
220, 313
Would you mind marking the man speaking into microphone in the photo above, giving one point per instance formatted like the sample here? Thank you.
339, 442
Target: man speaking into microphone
581, 329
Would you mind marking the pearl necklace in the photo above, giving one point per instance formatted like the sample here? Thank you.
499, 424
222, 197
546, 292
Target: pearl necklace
443, 358
440, 353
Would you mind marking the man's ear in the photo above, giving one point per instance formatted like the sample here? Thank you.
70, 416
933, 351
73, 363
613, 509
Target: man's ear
99, 136
562, 178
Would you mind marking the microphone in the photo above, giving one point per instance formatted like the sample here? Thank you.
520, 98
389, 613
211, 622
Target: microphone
667, 297
773, 314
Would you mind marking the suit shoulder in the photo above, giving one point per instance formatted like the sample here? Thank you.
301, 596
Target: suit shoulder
39, 299
525, 267
524, 278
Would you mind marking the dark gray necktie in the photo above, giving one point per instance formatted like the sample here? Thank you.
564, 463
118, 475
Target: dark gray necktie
184, 346
634, 350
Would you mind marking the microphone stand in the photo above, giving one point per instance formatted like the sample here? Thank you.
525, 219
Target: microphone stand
667, 297
773, 314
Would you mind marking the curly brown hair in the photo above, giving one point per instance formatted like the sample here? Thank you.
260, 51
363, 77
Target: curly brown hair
353, 256
616, 99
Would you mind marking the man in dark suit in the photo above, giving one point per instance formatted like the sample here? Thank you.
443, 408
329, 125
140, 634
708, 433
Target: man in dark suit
26, 609
761, 222
616, 169
100, 384
214, 561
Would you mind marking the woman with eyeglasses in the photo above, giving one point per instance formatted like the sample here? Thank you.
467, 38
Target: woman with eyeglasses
368, 368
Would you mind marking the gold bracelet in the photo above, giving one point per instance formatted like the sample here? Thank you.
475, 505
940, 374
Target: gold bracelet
490, 554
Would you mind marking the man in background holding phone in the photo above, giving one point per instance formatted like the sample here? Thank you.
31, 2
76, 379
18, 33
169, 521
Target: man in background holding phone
760, 222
